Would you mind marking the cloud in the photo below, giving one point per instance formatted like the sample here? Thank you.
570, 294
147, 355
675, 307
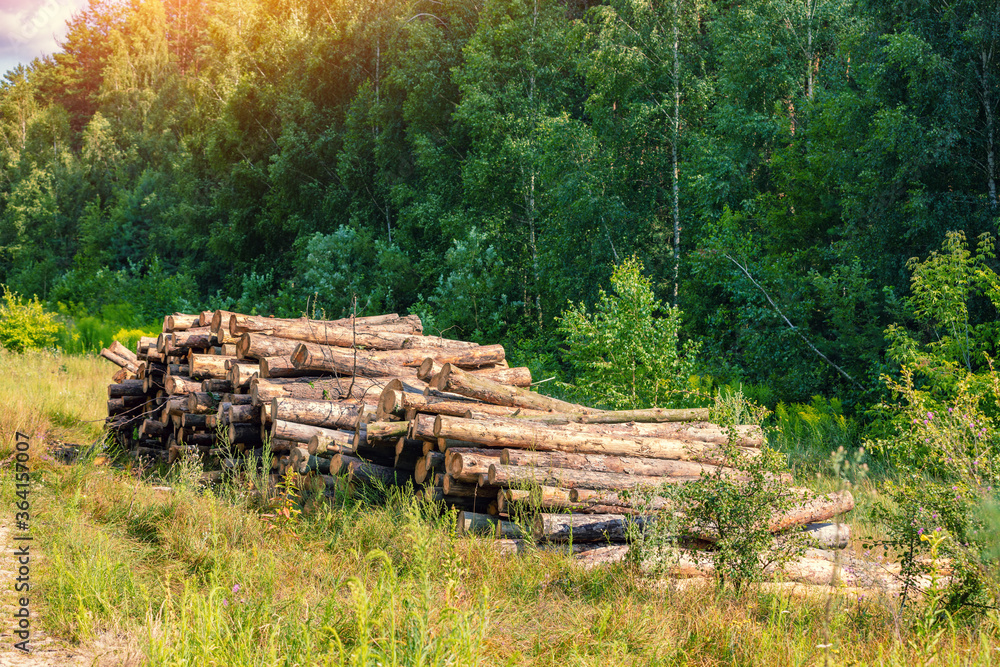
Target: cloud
30, 28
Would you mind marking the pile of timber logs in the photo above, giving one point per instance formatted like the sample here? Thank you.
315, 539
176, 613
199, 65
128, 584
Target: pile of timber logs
372, 401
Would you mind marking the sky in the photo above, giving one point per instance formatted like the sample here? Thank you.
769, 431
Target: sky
30, 28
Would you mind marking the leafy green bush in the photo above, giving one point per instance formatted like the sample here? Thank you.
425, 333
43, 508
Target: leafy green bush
628, 353
24, 325
940, 429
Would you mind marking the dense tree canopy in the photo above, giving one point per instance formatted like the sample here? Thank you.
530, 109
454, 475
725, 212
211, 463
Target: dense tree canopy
486, 163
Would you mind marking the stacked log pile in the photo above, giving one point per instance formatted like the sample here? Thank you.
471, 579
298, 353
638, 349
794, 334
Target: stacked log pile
373, 401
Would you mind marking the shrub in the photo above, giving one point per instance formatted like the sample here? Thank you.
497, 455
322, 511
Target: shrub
628, 353
24, 325
940, 429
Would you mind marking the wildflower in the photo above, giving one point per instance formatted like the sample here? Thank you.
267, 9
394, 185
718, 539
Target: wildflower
236, 589
950, 410
930, 415
225, 602
920, 531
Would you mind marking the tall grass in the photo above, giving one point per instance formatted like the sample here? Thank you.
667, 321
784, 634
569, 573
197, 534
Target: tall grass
201, 578
50, 395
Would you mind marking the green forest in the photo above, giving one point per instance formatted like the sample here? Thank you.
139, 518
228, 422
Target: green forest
810, 183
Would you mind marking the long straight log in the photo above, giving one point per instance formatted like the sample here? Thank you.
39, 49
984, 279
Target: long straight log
501, 475
527, 435
584, 527
453, 379
743, 436
282, 367
319, 388
328, 414
607, 464
180, 342
331, 360
363, 471
240, 324
300, 432
386, 431
125, 353
323, 333
514, 377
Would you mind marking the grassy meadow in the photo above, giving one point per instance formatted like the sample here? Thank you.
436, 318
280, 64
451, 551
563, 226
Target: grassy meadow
213, 578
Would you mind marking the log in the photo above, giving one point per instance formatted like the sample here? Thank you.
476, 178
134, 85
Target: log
745, 436
331, 388
144, 344
466, 465
195, 438
126, 388
647, 415
528, 435
181, 341
130, 357
514, 377
154, 429
240, 375
181, 322
237, 399
244, 434
286, 430
474, 523
259, 346
119, 361
814, 510
535, 497
453, 379
201, 402
220, 321
323, 333
216, 386
347, 362
584, 528
274, 326
453, 487
828, 535
282, 367
177, 384
369, 473
386, 431
600, 463
501, 475
202, 422
208, 366
328, 414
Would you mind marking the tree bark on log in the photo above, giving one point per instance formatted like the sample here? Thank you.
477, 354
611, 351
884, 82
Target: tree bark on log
466, 466
298, 432
175, 384
474, 523
347, 362
328, 414
513, 377
606, 464
584, 528
527, 435
333, 441
318, 388
282, 367
323, 333
453, 487
208, 366
201, 402
454, 379
501, 475
745, 436
245, 434
126, 388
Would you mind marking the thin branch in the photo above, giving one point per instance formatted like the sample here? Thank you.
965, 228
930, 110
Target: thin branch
789, 323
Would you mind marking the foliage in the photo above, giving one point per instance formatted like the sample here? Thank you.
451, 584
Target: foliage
941, 431
628, 353
24, 325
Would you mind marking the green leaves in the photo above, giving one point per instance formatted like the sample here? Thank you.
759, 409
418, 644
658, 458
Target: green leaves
628, 353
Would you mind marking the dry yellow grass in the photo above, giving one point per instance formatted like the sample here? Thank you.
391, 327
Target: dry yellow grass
52, 396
